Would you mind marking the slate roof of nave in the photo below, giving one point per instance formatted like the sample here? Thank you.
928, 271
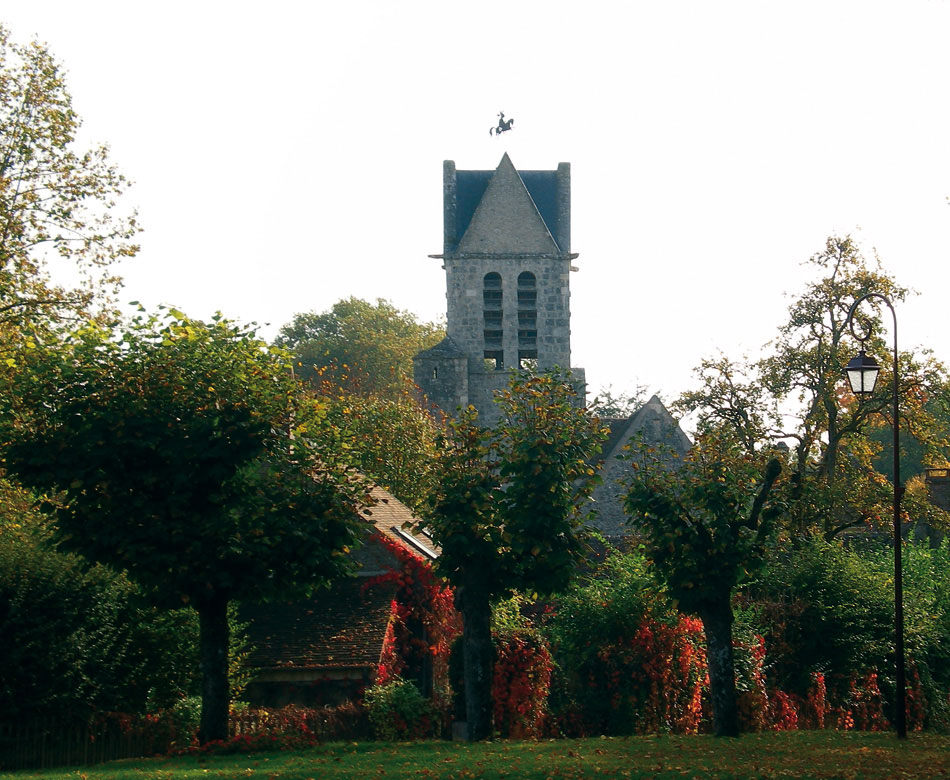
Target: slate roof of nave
654, 421
472, 186
444, 349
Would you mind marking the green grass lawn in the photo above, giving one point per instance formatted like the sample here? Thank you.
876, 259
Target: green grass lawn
803, 754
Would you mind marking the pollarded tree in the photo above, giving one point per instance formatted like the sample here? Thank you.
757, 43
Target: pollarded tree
359, 346
705, 523
507, 511
184, 453
57, 203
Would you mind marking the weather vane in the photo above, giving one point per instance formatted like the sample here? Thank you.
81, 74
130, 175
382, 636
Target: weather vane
504, 125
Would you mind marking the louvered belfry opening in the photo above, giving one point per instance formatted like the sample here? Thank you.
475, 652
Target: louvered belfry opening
527, 320
492, 302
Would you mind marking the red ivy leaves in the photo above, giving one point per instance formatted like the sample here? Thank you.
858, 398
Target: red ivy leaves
423, 620
520, 684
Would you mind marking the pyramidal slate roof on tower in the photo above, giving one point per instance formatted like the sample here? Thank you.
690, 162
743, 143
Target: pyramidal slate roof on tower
507, 220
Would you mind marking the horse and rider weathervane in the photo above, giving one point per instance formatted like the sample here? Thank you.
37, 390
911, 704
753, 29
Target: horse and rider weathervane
504, 125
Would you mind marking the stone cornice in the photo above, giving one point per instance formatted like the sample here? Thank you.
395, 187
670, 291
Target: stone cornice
507, 255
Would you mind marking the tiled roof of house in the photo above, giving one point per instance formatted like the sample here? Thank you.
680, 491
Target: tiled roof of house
340, 628
345, 626
389, 515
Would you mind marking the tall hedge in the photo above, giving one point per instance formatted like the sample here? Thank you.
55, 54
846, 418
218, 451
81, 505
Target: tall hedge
827, 608
76, 639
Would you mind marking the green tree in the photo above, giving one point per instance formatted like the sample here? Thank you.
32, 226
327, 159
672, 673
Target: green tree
58, 204
705, 522
797, 394
389, 438
359, 346
730, 397
507, 511
806, 367
185, 453
608, 404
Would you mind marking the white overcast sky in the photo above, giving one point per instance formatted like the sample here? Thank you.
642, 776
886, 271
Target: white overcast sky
286, 155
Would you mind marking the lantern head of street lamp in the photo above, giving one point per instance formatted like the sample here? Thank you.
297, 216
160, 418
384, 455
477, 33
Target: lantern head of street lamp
862, 374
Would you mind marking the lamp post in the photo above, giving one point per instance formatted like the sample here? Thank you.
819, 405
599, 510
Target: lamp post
862, 374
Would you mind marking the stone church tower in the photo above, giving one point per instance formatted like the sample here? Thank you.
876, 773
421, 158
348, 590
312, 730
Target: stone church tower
507, 260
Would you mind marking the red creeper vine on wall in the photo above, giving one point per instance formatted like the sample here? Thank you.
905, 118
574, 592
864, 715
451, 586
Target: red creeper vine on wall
423, 620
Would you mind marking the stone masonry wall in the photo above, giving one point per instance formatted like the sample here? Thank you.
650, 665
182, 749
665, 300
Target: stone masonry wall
443, 381
465, 306
504, 234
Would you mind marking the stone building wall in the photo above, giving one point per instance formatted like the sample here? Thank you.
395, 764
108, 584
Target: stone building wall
938, 490
465, 315
507, 260
651, 424
442, 372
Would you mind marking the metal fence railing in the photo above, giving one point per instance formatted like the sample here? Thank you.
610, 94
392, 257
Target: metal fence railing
46, 743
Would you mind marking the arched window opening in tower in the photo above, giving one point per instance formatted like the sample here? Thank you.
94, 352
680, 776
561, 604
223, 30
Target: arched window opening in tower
492, 299
527, 321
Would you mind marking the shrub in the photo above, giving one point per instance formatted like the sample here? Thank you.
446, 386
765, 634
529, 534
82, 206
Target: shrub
927, 633
748, 649
825, 610
520, 683
185, 717
77, 639
424, 622
626, 662
828, 614
398, 711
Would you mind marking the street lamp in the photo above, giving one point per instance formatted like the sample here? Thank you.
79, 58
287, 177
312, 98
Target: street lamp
862, 374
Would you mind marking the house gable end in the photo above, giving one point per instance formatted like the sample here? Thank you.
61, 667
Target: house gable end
653, 424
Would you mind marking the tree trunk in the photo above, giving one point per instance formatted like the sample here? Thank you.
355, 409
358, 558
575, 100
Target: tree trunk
478, 661
215, 697
717, 623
